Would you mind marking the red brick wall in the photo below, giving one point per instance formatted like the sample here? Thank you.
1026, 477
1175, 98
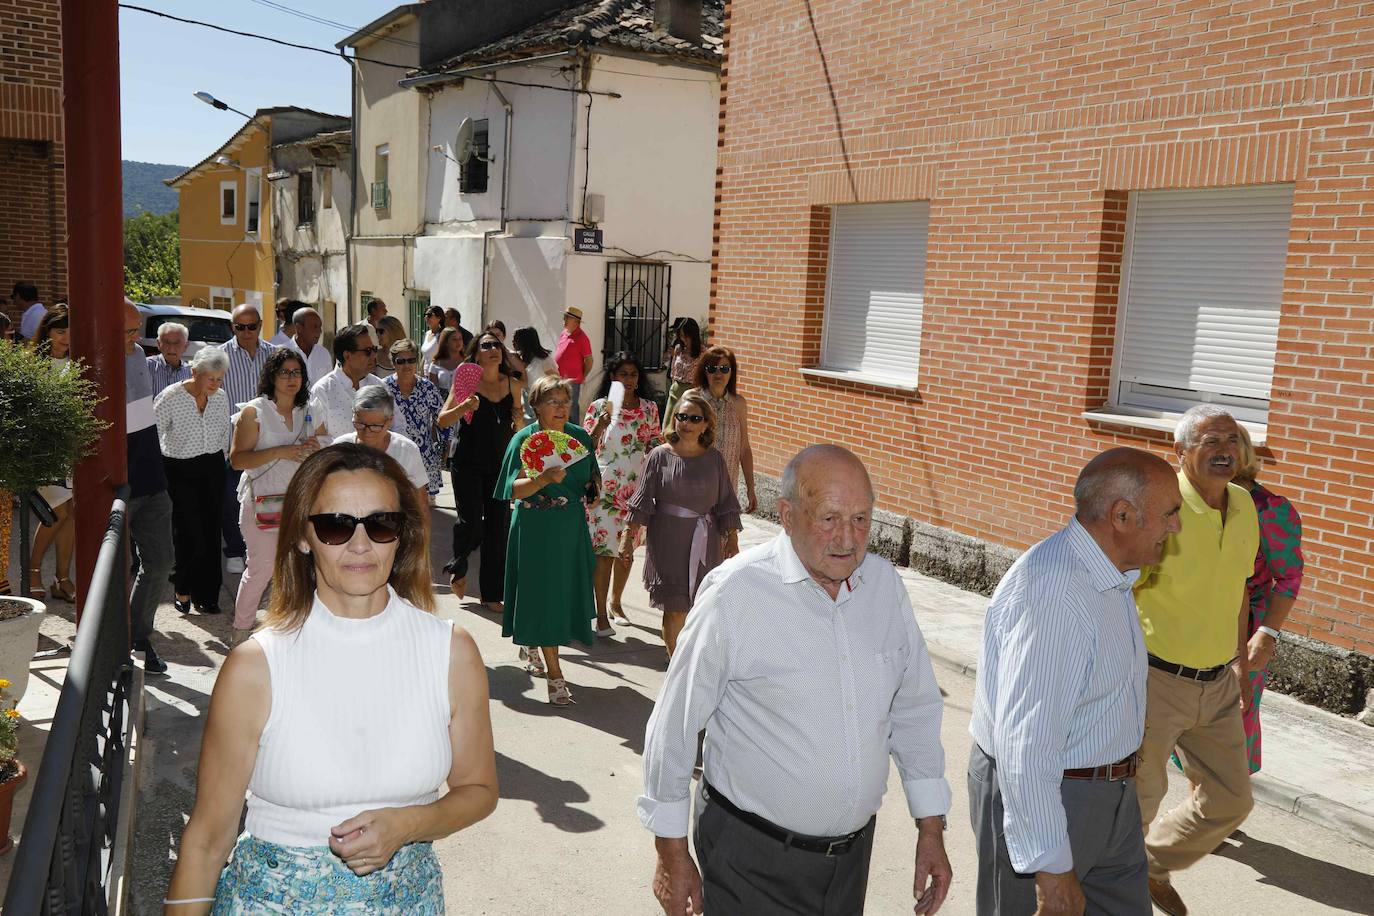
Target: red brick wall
33, 193
1026, 125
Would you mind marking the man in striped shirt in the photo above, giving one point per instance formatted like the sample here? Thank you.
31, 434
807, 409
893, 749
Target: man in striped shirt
1059, 708
168, 367
247, 354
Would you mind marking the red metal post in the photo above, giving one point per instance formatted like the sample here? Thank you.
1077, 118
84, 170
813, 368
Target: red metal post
95, 252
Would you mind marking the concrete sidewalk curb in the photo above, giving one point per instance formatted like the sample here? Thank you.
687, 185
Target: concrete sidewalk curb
1310, 806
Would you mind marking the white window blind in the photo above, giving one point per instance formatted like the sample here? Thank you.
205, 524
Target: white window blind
875, 293
1201, 292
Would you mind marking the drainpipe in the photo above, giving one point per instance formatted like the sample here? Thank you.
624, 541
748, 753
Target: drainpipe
351, 226
505, 204
95, 255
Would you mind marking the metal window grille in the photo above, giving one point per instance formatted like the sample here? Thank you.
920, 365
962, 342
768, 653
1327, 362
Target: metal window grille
305, 202
637, 309
381, 195
472, 175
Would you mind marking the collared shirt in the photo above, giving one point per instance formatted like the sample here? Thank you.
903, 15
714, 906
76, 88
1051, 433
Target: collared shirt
1190, 603
244, 375
406, 453
573, 347
164, 375
280, 339
336, 392
1061, 685
186, 431
318, 363
803, 698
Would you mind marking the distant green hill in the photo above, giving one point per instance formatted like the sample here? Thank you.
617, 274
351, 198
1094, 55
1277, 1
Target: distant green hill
144, 190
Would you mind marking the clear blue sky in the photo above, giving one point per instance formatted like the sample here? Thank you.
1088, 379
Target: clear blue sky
163, 62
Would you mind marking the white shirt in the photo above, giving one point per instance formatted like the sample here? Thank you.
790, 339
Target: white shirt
330, 751
428, 348
1061, 685
319, 362
31, 319
183, 430
280, 339
803, 698
406, 453
336, 392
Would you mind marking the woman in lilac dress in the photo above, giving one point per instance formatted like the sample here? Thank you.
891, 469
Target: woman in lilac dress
689, 508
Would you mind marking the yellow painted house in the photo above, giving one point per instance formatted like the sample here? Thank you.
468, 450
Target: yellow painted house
226, 213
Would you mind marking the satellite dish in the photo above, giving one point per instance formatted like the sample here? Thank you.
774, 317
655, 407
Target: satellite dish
463, 147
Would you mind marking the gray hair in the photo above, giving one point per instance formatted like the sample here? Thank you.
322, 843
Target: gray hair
373, 397
404, 345
1118, 473
1183, 430
208, 360
168, 328
790, 488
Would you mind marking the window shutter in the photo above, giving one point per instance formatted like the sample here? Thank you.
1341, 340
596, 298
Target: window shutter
876, 289
1203, 284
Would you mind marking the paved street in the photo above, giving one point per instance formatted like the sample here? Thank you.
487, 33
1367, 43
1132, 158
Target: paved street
565, 838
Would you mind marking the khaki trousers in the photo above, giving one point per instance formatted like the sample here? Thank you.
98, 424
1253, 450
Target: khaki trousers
1201, 720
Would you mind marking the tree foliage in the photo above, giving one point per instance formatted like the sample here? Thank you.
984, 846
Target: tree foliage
152, 256
47, 418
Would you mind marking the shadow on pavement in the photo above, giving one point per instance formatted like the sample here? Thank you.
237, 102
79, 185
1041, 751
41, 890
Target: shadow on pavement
1321, 882
553, 798
619, 711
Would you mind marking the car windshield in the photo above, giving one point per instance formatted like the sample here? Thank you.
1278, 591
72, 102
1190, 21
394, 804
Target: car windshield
207, 330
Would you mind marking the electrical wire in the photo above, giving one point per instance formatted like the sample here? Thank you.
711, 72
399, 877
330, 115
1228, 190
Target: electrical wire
320, 20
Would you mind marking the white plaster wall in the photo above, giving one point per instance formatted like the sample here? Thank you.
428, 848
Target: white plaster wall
450, 268
529, 284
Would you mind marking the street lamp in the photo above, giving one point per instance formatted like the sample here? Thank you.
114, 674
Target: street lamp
213, 102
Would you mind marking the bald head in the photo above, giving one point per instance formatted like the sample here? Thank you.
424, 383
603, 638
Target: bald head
246, 312
827, 511
1116, 474
133, 323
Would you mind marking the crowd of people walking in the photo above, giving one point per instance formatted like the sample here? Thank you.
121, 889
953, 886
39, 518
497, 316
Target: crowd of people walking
797, 668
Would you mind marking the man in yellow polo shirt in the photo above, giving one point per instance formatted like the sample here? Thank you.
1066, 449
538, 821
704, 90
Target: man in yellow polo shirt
1193, 612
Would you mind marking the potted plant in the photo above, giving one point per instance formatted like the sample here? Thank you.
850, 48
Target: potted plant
47, 425
12, 772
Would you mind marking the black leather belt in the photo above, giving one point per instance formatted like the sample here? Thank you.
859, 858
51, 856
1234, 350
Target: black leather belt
1193, 674
825, 845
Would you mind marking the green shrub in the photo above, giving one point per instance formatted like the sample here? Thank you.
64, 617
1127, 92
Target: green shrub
47, 419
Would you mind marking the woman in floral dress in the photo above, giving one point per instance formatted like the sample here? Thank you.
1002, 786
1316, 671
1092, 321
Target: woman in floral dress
622, 447
418, 402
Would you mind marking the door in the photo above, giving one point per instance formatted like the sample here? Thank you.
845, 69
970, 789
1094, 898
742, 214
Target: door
637, 310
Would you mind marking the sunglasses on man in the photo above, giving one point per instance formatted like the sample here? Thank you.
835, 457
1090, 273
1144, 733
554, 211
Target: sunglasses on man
335, 528
247, 327
367, 351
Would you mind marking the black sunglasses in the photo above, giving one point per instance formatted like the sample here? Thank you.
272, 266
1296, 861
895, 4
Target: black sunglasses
688, 417
405, 360
723, 369
368, 351
335, 528
491, 345
247, 327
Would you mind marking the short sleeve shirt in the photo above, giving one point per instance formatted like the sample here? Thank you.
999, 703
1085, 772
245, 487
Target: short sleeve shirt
1189, 604
573, 347
406, 453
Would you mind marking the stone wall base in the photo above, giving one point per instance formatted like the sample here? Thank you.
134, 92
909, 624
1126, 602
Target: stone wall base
1334, 679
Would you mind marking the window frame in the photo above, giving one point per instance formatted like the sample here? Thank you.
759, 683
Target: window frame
232, 217
475, 171
252, 223
305, 198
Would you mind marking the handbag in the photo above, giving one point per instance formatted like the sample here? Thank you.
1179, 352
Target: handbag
267, 511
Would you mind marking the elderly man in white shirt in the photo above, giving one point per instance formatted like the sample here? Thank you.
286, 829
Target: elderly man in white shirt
1059, 707
803, 662
355, 348
373, 410
308, 326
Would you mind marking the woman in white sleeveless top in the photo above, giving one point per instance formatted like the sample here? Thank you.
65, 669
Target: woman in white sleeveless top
355, 719
274, 432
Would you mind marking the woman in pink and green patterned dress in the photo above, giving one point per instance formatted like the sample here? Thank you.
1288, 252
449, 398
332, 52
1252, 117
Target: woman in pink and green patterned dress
1274, 585
622, 448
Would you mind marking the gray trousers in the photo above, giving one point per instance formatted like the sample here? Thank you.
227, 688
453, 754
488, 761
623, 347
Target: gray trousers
745, 872
150, 528
1104, 833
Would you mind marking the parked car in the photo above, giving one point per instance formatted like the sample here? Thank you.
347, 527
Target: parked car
203, 326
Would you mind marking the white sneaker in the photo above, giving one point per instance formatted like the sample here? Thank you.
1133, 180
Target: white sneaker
234, 566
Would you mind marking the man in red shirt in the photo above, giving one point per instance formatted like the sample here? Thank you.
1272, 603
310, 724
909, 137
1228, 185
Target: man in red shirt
574, 354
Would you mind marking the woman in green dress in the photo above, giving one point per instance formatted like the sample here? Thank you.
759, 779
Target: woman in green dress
551, 605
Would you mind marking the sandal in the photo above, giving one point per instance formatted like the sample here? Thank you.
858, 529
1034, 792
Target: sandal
36, 590
559, 694
63, 589
534, 661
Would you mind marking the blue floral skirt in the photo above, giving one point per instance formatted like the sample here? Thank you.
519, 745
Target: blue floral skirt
264, 877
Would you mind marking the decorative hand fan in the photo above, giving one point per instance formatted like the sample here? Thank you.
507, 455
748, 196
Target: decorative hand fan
550, 448
466, 379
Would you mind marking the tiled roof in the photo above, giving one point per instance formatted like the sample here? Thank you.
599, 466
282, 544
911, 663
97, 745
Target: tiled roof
625, 24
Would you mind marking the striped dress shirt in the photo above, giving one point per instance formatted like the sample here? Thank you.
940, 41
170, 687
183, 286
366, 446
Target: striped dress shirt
244, 374
1061, 685
164, 375
803, 697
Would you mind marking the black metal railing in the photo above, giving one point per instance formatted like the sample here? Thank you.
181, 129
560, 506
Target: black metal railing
637, 310
62, 865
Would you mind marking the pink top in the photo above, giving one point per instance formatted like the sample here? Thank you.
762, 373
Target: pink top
572, 348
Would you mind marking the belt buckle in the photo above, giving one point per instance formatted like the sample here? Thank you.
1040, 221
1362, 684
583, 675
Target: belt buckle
830, 847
